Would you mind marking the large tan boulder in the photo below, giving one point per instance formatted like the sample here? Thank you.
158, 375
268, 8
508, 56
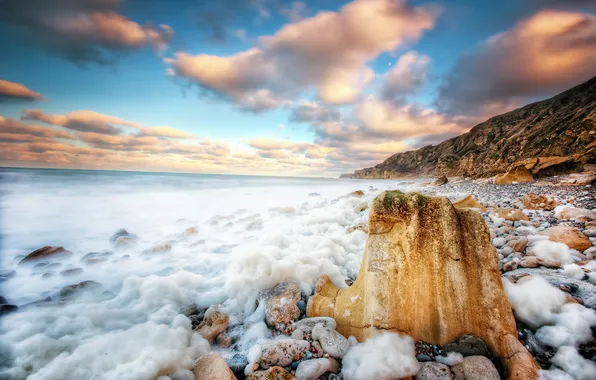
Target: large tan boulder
429, 271
469, 202
570, 236
212, 367
517, 174
533, 201
579, 214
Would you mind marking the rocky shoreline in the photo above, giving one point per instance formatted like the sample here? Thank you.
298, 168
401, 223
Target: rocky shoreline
544, 237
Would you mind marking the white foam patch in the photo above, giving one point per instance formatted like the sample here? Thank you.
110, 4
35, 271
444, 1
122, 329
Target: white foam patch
547, 249
574, 364
385, 356
451, 359
574, 271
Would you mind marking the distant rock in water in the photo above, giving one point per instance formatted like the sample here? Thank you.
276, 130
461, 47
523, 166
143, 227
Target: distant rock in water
440, 181
429, 270
46, 253
550, 137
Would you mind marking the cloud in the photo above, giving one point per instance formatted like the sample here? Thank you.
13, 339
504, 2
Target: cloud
10, 91
540, 56
314, 112
83, 31
295, 11
84, 121
328, 52
11, 126
406, 77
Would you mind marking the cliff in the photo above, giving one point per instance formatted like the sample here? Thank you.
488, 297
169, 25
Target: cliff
561, 129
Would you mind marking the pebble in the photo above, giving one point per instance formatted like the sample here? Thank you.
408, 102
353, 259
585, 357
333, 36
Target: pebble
332, 342
434, 371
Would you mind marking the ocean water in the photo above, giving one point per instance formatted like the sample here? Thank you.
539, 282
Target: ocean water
252, 232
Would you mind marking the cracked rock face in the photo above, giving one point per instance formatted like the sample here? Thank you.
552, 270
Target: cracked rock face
429, 271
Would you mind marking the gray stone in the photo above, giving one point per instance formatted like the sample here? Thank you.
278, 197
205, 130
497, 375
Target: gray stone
434, 371
282, 352
475, 368
315, 368
307, 324
468, 345
332, 342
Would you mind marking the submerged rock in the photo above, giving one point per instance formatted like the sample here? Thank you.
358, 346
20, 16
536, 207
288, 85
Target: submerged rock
457, 291
212, 367
47, 252
71, 272
96, 257
122, 233
6, 274
357, 193
281, 302
77, 289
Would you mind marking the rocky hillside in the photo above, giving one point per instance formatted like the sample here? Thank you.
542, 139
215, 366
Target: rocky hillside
562, 128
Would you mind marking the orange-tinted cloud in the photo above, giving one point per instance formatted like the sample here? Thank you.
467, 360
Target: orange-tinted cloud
328, 52
545, 54
16, 91
82, 31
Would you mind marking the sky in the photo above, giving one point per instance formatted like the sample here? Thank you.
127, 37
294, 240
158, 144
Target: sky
271, 87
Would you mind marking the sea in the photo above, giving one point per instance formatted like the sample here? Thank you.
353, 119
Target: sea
200, 239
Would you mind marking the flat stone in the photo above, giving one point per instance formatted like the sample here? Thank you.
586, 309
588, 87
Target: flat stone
307, 324
282, 352
315, 368
212, 367
434, 371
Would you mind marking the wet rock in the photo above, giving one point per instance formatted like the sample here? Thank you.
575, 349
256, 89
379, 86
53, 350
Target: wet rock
273, 373
357, 193
359, 227
361, 207
74, 290
212, 367
510, 265
223, 340
535, 262
307, 324
237, 363
6, 309
282, 352
475, 368
122, 233
468, 345
214, 323
96, 257
281, 306
124, 243
47, 252
469, 202
570, 236
6, 274
441, 181
331, 341
315, 368
190, 231
3, 301
159, 248
71, 272
434, 371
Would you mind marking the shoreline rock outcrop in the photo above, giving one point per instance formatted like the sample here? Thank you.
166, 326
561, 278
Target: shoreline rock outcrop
429, 271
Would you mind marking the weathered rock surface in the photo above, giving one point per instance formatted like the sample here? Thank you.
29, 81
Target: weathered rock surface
510, 214
273, 373
440, 181
550, 137
579, 214
517, 174
77, 289
457, 291
46, 252
122, 233
469, 202
434, 371
476, 368
281, 304
570, 236
331, 341
359, 227
307, 324
212, 367
214, 323
282, 352
315, 368
533, 201
535, 262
